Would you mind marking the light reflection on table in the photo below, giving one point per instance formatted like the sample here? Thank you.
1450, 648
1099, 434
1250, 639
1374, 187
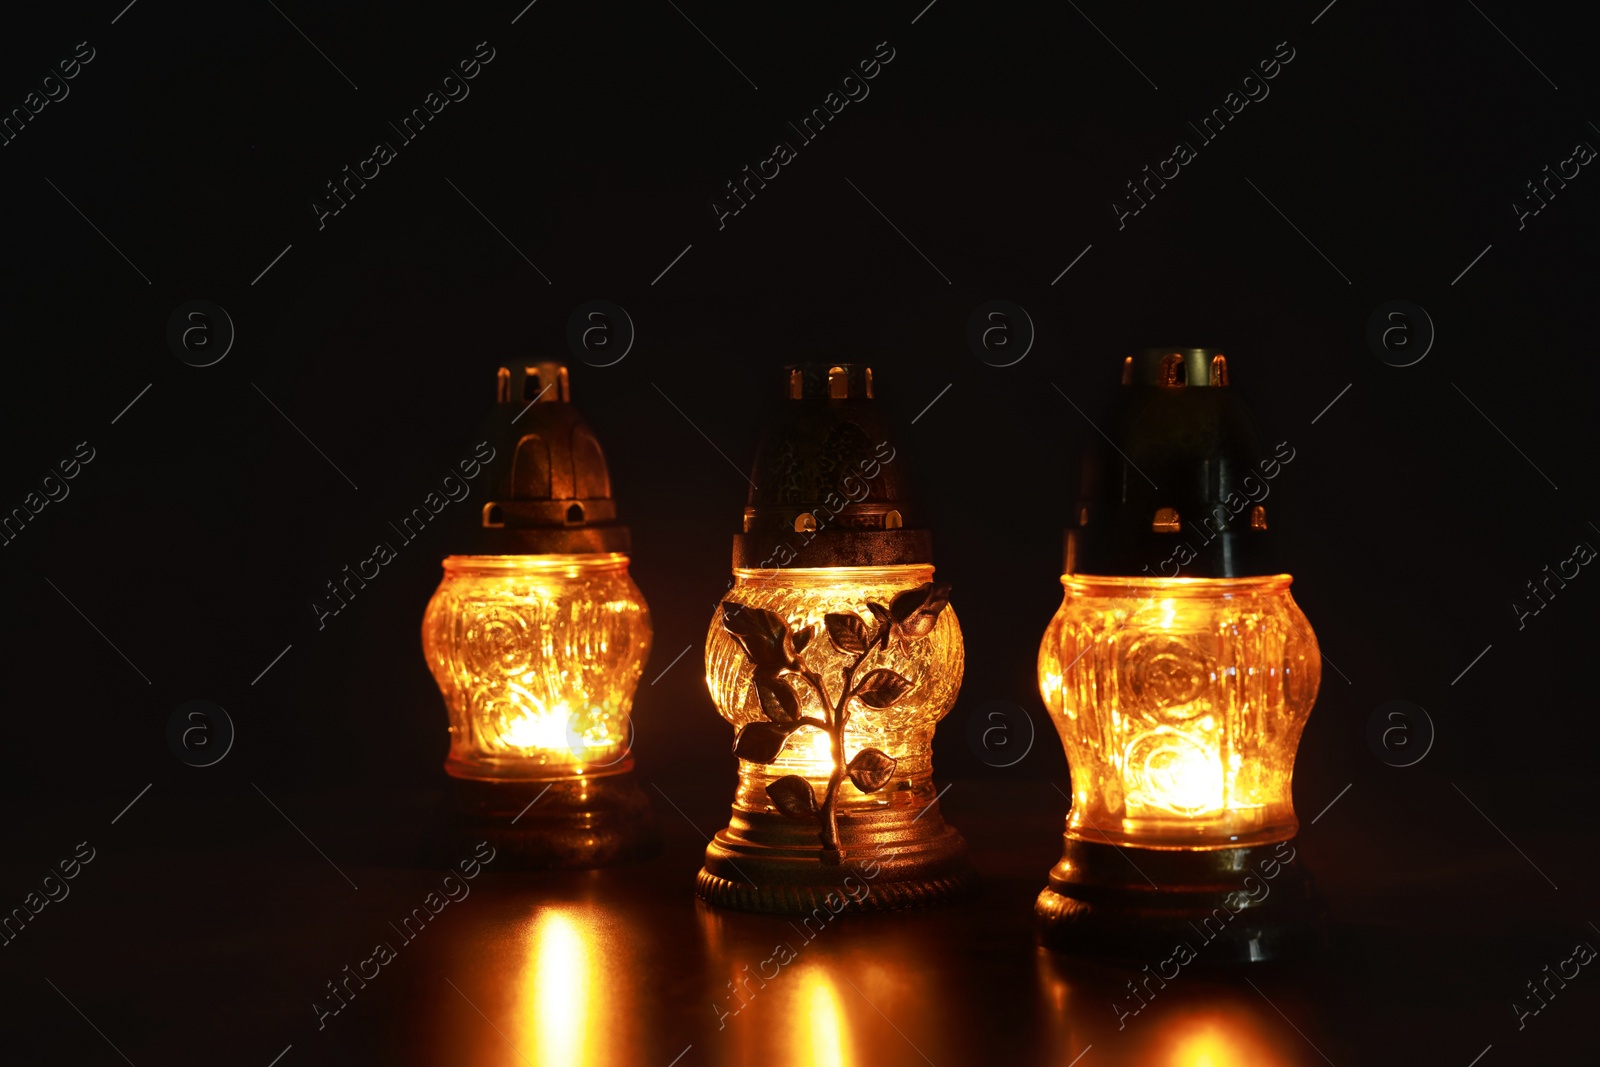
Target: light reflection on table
1201, 1018
577, 983
854, 991
624, 967
559, 988
557, 984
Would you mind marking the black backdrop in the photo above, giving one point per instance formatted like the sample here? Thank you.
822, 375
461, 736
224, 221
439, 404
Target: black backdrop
985, 159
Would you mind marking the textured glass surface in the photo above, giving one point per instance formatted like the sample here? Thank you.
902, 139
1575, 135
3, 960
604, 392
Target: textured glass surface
1180, 703
537, 657
803, 595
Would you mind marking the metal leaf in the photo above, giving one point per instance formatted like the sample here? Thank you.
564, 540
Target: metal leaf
916, 610
763, 633
760, 742
801, 639
905, 604
883, 688
847, 632
778, 700
871, 769
737, 618
792, 796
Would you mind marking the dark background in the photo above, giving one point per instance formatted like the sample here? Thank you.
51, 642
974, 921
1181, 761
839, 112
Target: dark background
195, 141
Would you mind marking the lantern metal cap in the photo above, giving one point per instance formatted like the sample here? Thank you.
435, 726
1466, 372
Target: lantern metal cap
828, 486
1176, 486
549, 486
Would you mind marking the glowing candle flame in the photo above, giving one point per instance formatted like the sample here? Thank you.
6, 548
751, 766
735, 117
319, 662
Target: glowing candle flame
820, 753
1181, 774
542, 727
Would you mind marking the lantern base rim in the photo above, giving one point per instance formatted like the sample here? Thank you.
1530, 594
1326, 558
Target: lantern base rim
1229, 905
890, 860
564, 824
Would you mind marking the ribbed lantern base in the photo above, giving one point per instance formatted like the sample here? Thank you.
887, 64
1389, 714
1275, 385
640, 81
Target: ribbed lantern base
1223, 905
889, 859
569, 823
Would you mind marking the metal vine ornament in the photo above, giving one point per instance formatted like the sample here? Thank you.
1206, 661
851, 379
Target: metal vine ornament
778, 655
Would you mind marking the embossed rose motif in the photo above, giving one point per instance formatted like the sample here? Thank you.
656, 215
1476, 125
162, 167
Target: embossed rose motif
498, 643
1165, 676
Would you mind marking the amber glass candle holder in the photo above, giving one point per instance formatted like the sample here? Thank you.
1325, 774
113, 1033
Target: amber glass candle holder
537, 640
1182, 724
538, 657
1179, 673
834, 656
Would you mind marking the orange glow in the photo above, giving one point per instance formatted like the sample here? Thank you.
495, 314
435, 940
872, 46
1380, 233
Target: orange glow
1180, 702
1178, 774
1212, 1041
538, 658
824, 1039
1205, 1049
808, 752
563, 977
553, 728
578, 965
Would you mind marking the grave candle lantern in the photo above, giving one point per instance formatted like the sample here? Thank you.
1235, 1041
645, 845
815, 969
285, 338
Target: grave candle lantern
834, 655
537, 639
1179, 673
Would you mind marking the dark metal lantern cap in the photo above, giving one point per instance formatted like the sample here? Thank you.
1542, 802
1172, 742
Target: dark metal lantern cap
828, 488
1176, 487
549, 489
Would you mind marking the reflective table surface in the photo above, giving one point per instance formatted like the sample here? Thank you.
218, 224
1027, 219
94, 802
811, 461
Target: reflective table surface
294, 929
